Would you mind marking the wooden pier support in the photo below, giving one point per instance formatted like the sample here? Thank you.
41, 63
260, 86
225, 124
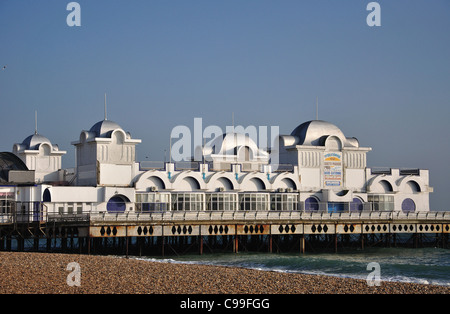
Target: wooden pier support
302, 244
200, 245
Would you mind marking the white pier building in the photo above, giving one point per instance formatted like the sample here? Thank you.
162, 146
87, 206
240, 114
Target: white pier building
319, 170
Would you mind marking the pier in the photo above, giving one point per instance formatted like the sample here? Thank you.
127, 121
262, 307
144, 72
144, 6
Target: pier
176, 233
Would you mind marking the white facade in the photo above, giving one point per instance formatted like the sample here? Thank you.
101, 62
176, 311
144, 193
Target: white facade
38, 154
319, 170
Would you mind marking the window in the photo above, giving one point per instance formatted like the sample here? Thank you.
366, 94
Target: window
381, 202
152, 202
188, 201
311, 204
356, 205
281, 201
116, 204
254, 201
70, 208
221, 201
408, 205
79, 208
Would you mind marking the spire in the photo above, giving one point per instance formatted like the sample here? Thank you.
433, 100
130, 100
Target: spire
35, 122
317, 108
106, 115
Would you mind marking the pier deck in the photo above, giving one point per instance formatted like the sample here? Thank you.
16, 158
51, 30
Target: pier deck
266, 226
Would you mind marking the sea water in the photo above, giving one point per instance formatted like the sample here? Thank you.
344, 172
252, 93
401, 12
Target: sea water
425, 265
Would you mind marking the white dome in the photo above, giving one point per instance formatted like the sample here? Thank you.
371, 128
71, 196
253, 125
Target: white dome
104, 128
33, 142
315, 133
227, 144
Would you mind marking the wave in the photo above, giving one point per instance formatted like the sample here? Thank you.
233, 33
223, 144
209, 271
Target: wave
423, 266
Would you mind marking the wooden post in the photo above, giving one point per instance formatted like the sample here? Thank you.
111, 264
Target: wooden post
335, 243
302, 244
270, 243
236, 244
201, 245
362, 241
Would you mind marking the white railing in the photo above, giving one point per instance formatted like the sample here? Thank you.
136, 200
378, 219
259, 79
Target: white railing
170, 216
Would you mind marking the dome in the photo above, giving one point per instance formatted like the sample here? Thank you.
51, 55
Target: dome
32, 142
9, 161
227, 144
104, 128
231, 141
314, 133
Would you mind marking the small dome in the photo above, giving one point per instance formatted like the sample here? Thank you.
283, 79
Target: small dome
228, 143
231, 141
315, 132
33, 141
235, 145
104, 128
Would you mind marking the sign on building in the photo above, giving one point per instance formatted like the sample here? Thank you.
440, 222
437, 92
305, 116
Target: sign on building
332, 168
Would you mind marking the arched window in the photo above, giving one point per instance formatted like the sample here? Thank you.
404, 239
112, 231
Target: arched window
311, 204
117, 204
356, 205
46, 197
408, 205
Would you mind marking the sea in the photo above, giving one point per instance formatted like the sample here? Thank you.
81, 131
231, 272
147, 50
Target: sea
415, 265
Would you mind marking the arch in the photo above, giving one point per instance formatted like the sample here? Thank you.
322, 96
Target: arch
225, 180
386, 186
333, 143
259, 184
382, 184
117, 204
45, 149
118, 136
413, 186
188, 184
311, 204
47, 197
408, 205
224, 183
285, 181
244, 153
155, 181
356, 205
255, 184
178, 180
152, 178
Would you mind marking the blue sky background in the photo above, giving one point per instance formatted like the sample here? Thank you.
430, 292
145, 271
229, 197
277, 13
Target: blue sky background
163, 63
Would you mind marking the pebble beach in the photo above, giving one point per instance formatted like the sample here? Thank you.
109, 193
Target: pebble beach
47, 273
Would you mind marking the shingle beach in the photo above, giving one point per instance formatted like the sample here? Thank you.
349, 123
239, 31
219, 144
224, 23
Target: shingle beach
43, 273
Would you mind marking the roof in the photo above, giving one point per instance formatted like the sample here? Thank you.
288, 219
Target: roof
104, 128
33, 141
316, 132
9, 161
313, 132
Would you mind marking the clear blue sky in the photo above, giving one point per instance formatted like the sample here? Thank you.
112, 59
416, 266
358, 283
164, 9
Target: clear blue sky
163, 63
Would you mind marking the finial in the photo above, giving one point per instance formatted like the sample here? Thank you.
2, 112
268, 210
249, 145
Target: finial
106, 116
35, 122
317, 108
